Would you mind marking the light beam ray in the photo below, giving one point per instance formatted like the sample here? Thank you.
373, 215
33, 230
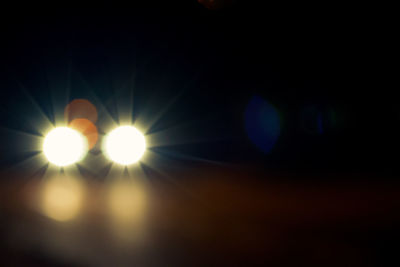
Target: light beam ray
171, 180
115, 171
108, 122
178, 135
45, 124
178, 155
125, 101
59, 99
23, 133
32, 163
155, 161
146, 126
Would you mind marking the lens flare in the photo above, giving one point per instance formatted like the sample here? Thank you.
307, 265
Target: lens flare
64, 146
87, 129
80, 109
125, 145
62, 198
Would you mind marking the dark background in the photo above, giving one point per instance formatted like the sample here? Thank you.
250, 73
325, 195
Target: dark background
210, 62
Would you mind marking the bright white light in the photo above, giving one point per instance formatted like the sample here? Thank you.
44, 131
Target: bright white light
125, 145
64, 146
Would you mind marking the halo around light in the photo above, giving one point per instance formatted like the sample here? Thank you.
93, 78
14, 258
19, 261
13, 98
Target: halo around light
124, 145
64, 146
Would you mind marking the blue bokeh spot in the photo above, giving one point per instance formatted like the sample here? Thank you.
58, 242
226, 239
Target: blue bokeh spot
262, 123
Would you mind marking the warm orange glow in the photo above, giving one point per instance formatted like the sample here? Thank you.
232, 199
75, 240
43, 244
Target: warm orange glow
87, 129
82, 109
62, 198
127, 206
126, 202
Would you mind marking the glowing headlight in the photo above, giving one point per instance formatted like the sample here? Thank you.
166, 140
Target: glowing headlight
63, 146
125, 145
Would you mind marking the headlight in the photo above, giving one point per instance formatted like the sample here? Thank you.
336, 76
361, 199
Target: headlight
63, 146
125, 145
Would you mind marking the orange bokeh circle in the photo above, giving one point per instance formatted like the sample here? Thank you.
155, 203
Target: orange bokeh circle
86, 128
80, 108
